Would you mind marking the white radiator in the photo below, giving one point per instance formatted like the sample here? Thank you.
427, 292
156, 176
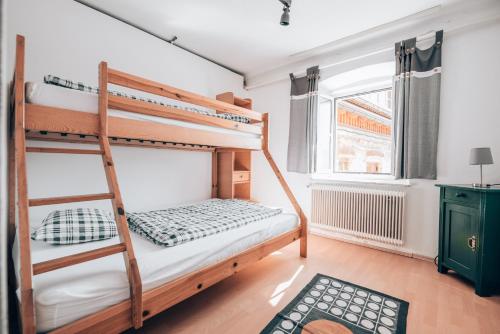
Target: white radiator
361, 212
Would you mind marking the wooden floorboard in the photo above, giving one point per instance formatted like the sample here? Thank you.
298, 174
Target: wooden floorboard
245, 302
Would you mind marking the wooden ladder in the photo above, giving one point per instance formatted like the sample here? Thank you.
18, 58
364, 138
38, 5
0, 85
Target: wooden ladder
18, 166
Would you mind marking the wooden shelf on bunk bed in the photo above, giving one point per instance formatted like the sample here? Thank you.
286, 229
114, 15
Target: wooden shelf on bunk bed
234, 167
234, 175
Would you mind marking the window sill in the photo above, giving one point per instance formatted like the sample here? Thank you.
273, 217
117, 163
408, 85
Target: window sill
359, 179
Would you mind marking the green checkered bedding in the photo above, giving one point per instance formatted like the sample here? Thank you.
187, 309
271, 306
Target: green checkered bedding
179, 225
53, 80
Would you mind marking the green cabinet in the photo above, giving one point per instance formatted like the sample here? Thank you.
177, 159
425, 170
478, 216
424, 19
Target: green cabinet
460, 230
469, 235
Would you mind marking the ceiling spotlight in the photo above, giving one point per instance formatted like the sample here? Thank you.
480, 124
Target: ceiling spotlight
285, 17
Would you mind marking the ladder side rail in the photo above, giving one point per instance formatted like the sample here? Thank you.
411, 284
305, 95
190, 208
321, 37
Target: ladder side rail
26, 274
118, 209
284, 185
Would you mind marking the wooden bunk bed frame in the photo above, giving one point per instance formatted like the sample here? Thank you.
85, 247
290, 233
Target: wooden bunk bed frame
38, 122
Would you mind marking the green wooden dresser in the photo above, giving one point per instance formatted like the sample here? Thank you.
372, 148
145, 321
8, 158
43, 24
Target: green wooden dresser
469, 235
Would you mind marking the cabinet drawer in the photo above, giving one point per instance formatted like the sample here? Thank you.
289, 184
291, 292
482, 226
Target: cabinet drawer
461, 195
241, 176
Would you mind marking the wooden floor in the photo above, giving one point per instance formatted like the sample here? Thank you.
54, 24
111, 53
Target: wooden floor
246, 302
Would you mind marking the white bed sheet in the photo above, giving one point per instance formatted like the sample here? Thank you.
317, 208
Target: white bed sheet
68, 294
55, 96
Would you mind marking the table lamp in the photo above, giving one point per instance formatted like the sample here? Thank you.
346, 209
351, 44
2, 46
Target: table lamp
480, 156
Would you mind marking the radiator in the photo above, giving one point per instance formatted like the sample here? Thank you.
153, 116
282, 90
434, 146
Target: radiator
371, 214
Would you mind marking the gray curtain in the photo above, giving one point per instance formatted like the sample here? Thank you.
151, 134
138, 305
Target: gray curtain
417, 88
302, 136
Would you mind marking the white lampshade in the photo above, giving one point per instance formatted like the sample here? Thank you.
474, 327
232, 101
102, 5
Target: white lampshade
480, 156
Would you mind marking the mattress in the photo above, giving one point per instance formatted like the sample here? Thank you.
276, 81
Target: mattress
60, 97
68, 294
57, 81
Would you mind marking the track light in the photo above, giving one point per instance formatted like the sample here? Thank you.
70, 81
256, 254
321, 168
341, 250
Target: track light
285, 17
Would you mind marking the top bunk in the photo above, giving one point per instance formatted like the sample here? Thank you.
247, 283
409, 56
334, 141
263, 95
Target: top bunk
57, 113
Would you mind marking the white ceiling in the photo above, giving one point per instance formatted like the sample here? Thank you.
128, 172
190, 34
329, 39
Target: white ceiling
246, 36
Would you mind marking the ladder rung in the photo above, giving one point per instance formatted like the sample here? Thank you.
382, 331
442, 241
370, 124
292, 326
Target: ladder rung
69, 199
70, 260
62, 150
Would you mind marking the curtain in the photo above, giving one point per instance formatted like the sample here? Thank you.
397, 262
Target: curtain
417, 87
302, 136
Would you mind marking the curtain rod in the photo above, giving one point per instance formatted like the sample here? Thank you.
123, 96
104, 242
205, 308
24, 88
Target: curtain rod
420, 38
102, 11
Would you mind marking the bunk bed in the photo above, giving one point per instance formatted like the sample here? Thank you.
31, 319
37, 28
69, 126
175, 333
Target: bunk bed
133, 122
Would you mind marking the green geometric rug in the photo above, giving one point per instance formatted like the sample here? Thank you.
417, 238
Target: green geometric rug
330, 305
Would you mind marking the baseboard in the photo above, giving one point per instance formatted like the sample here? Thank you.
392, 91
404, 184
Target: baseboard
368, 243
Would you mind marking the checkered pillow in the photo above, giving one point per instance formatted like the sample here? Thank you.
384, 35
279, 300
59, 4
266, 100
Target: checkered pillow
74, 226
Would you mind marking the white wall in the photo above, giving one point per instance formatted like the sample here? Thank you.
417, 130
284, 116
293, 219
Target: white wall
67, 39
470, 117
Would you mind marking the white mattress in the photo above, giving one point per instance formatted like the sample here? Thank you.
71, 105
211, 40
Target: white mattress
55, 96
65, 295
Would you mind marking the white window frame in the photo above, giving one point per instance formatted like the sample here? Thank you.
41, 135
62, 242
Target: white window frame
334, 127
364, 177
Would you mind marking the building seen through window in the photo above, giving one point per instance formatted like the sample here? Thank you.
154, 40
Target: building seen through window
355, 130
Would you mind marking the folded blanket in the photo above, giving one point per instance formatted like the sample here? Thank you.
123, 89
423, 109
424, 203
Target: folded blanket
53, 80
178, 225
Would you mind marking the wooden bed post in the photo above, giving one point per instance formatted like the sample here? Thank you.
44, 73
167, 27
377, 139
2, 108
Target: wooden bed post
215, 182
26, 274
284, 185
118, 209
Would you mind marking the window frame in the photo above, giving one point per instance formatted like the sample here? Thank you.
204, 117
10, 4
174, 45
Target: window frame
331, 142
333, 136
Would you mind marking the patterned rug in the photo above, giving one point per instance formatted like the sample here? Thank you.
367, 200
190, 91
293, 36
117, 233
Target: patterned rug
329, 305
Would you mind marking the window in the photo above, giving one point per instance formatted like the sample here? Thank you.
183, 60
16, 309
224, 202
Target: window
355, 128
363, 133
324, 161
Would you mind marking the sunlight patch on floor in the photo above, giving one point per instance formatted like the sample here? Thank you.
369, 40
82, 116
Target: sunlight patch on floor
280, 290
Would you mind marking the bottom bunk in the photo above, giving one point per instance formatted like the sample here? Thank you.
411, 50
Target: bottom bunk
67, 300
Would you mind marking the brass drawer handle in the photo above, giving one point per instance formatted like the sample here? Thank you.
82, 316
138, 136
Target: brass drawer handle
472, 243
460, 195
